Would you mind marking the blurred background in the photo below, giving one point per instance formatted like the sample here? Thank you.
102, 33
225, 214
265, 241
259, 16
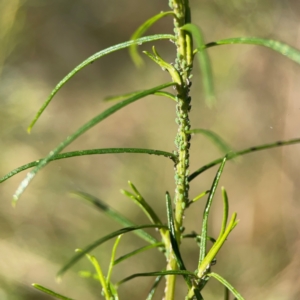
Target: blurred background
258, 102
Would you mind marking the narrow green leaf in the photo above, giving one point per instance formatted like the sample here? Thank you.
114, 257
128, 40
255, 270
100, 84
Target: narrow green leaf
154, 287
207, 210
90, 60
80, 131
204, 265
115, 215
204, 63
159, 273
137, 251
49, 292
215, 138
227, 284
92, 152
100, 274
143, 204
225, 211
200, 196
164, 65
138, 61
173, 235
112, 259
282, 48
240, 153
100, 241
124, 96
197, 237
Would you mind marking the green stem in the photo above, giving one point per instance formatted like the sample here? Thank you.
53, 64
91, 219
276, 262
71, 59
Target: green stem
183, 65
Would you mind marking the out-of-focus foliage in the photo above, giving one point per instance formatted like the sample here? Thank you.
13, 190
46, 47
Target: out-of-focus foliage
257, 102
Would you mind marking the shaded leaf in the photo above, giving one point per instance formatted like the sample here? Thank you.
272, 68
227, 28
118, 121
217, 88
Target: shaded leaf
227, 284
100, 241
215, 138
109, 211
49, 292
137, 251
159, 273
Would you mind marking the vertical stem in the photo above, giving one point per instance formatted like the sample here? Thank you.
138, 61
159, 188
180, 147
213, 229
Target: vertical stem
183, 65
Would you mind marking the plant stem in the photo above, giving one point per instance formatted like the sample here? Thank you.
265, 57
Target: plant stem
183, 65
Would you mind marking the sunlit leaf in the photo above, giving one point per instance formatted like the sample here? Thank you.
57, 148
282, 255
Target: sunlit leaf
282, 48
124, 96
90, 60
100, 241
91, 152
80, 131
138, 61
240, 153
204, 63
227, 284
112, 259
49, 292
215, 138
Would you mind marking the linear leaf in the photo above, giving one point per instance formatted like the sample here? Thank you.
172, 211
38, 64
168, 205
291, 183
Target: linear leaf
90, 60
282, 48
100, 241
49, 292
204, 62
154, 287
137, 251
100, 275
112, 259
91, 152
207, 210
215, 138
138, 61
227, 284
159, 273
240, 153
225, 211
124, 96
172, 231
109, 211
80, 131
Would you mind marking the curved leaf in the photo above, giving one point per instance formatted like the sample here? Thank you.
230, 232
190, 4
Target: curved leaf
282, 48
105, 208
204, 62
90, 60
240, 153
49, 292
227, 284
102, 240
138, 61
91, 152
79, 132
215, 138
